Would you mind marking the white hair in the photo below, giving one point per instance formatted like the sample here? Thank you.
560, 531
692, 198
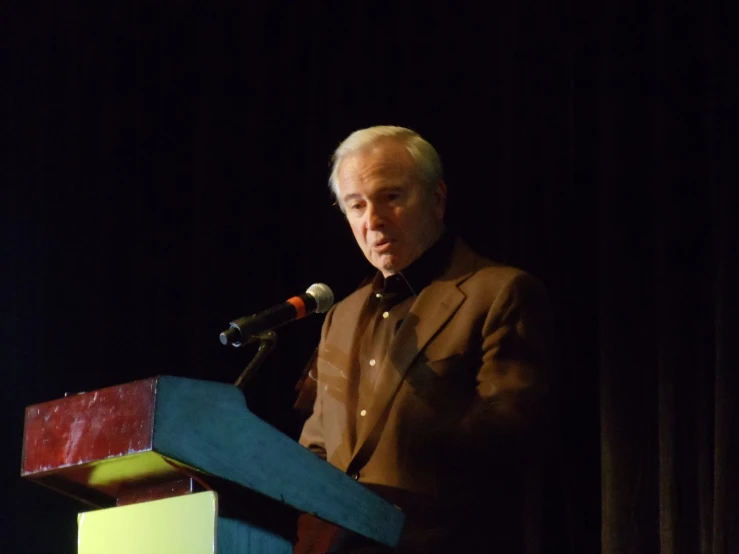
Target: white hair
425, 156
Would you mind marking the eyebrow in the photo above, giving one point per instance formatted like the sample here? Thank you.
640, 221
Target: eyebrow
351, 197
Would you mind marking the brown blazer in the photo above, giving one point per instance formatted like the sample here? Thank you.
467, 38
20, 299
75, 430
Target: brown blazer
460, 384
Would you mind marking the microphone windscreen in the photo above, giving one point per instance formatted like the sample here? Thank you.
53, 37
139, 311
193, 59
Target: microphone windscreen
323, 295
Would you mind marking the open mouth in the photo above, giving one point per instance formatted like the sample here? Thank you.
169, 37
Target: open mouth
382, 245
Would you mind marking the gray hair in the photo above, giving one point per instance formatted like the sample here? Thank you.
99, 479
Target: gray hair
425, 156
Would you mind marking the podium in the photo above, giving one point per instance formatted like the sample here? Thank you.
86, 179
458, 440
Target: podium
154, 443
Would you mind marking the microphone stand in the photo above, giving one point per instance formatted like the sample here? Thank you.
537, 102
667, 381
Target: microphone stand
267, 342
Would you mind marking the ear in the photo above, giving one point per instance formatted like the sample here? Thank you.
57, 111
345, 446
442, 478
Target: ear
439, 199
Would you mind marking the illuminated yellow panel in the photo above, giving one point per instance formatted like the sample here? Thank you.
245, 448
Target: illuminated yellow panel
182, 525
129, 468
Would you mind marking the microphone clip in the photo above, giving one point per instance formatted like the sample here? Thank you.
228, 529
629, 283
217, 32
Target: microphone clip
267, 343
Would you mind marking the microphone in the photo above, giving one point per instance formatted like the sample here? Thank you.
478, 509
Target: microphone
318, 298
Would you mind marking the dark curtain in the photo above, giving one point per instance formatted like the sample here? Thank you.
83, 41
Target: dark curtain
665, 166
163, 172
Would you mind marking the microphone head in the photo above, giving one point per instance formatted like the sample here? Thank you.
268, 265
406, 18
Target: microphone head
323, 296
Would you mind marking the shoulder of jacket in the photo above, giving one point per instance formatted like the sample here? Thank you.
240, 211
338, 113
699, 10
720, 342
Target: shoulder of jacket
352, 300
495, 277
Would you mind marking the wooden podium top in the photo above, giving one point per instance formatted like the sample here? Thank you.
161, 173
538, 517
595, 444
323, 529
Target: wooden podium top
95, 445
98, 445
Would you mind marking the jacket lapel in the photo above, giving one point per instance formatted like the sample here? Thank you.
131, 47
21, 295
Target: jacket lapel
432, 310
339, 358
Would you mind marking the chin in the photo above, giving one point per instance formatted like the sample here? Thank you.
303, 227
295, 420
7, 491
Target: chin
386, 265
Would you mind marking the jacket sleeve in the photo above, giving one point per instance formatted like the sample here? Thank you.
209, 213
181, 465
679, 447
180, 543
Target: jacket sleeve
312, 436
516, 350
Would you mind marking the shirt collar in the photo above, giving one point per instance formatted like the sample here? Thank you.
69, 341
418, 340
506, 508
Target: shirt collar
421, 271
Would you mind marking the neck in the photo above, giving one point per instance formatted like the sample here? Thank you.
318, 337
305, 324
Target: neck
432, 239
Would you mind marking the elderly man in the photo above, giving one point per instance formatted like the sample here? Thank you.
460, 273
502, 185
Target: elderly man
429, 377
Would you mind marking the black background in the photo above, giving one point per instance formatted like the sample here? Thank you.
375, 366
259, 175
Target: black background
164, 171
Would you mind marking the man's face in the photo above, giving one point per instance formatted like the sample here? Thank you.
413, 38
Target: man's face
394, 220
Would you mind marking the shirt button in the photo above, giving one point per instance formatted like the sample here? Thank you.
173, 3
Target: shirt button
385, 315
378, 295
363, 413
372, 362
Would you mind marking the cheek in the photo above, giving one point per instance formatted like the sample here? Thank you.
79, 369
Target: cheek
397, 221
357, 231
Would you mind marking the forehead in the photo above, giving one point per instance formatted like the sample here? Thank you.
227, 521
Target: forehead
385, 162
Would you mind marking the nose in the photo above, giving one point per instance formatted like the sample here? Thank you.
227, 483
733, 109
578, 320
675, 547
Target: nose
373, 219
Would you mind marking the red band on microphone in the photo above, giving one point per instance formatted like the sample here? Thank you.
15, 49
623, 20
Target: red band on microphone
299, 306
